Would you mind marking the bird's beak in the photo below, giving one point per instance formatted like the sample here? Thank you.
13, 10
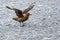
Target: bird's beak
30, 14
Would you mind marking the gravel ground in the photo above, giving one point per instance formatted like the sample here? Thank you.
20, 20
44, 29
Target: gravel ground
44, 24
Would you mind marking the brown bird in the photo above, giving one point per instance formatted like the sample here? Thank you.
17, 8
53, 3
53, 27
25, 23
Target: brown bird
22, 15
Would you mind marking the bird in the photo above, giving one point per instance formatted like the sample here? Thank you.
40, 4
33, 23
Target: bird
22, 16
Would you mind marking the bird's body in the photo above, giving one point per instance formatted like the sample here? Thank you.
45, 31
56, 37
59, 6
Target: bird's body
23, 18
21, 15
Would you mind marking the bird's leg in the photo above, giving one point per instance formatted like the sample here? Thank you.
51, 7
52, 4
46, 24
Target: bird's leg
21, 24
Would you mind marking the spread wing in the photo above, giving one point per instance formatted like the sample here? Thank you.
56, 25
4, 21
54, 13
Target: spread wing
29, 8
17, 11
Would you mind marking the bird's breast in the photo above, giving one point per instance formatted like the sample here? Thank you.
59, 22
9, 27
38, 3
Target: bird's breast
24, 18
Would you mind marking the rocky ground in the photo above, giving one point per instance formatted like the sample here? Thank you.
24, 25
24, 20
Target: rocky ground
43, 24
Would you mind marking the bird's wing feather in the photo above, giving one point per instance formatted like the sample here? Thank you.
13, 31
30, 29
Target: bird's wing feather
29, 8
17, 11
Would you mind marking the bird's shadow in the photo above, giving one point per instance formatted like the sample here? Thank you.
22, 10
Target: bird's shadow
25, 25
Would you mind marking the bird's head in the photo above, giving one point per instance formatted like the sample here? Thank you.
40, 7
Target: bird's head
29, 14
